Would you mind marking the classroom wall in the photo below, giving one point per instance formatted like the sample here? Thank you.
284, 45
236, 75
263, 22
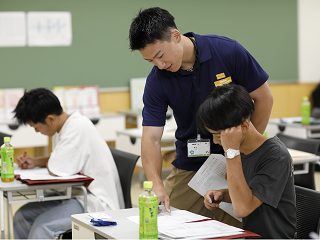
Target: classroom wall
287, 99
100, 54
308, 41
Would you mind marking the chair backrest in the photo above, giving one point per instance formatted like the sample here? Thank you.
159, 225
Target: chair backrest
301, 144
306, 145
125, 163
308, 211
315, 112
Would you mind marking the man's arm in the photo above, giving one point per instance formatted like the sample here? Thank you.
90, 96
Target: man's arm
263, 101
152, 161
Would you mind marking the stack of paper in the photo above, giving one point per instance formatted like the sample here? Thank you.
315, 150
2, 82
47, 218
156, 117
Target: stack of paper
42, 174
211, 176
185, 224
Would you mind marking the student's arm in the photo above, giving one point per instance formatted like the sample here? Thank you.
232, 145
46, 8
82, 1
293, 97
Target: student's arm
152, 161
263, 101
31, 162
243, 201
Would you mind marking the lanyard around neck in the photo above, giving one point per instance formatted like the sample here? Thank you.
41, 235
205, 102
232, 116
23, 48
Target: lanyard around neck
198, 63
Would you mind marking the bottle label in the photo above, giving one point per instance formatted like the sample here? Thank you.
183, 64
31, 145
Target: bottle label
7, 159
148, 206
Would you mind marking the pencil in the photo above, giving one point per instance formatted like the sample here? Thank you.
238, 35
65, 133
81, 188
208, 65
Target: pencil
24, 155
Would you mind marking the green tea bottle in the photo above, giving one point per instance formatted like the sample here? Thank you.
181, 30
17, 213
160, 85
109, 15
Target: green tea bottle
7, 158
148, 207
305, 111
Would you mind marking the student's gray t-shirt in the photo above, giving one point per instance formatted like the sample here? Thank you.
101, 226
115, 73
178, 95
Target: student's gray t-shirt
269, 174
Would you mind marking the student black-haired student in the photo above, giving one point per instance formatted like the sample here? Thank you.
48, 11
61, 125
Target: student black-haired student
259, 169
77, 147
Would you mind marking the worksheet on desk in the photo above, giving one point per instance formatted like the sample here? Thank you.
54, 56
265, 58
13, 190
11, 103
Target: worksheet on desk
42, 174
184, 224
211, 176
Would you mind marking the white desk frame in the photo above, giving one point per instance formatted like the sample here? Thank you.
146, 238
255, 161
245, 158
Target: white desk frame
9, 189
291, 128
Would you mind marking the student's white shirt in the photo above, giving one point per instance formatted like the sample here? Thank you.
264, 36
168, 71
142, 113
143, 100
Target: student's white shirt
79, 148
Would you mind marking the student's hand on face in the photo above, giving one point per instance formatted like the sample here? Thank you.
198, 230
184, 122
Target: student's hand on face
26, 162
218, 197
231, 138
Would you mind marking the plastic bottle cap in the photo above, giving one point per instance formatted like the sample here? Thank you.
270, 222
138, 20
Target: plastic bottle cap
6, 139
305, 98
148, 184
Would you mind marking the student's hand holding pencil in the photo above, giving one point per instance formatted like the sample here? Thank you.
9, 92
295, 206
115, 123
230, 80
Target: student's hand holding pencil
25, 161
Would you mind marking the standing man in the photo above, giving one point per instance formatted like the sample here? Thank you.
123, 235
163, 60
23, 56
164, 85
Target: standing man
186, 68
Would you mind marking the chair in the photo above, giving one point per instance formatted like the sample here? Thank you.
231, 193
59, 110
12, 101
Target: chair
308, 211
125, 163
306, 145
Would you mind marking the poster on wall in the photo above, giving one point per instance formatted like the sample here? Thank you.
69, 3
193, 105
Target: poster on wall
13, 29
49, 29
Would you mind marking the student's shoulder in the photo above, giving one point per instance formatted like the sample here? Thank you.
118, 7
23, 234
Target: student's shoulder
78, 121
279, 150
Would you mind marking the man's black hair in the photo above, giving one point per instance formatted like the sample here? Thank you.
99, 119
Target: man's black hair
224, 107
150, 25
35, 105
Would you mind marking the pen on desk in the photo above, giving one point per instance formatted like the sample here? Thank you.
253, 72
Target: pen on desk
24, 155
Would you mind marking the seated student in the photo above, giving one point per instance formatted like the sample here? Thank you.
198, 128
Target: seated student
77, 148
259, 169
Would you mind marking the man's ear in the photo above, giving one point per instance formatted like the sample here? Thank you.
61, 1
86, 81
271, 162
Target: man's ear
245, 126
51, 119
175, 36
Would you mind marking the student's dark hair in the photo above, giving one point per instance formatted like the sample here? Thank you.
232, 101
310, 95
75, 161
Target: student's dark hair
224, 107
150, 25
35, 105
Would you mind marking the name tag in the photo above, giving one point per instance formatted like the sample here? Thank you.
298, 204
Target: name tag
198, 147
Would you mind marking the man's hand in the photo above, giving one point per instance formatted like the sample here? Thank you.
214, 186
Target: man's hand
231, 138
26, 162
217, 196
162, 197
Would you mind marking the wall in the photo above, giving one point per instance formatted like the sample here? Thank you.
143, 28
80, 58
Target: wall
287, 99
308, 41
100, 54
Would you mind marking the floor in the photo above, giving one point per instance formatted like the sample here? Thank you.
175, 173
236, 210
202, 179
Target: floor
135, 191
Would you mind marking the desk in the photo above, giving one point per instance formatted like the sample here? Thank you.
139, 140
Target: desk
290, 126
16, 192
108, 124
125, 229
299, 157
24, 136
129, 140
134, 119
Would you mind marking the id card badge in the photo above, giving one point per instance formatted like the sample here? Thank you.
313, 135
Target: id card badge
198, 147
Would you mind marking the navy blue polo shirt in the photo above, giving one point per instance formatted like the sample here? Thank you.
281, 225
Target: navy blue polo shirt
222, 61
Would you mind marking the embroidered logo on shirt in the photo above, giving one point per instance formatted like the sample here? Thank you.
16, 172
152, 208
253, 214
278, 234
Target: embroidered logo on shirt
223, 82
220, 75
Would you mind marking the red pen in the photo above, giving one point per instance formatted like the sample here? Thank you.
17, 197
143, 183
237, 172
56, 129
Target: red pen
24, 155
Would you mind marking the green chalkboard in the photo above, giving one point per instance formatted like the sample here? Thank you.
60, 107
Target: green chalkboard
100, 53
